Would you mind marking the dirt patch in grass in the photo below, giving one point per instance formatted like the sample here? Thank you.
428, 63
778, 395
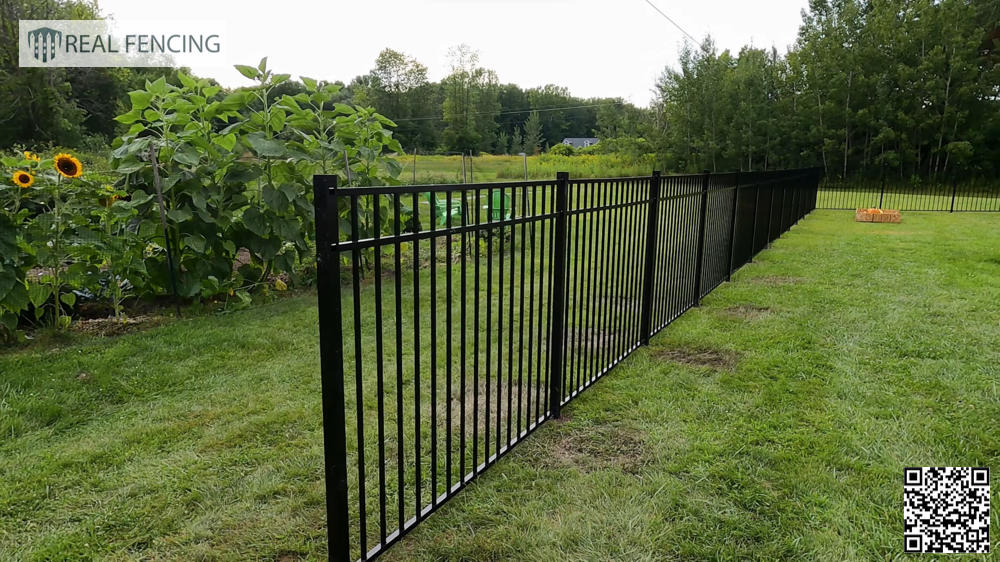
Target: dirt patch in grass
591, 338
601, 448
111, 327
711, 358
776, 280
748, 311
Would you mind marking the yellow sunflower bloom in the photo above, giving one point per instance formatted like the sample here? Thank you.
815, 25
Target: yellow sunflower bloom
23, 179
68, 166
32, 156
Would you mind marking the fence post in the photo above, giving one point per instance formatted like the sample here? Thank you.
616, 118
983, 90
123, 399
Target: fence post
881, 194
954, 190
756, 218
652, 227
794, 207
701, 240
558, 314
331, 367
732, 227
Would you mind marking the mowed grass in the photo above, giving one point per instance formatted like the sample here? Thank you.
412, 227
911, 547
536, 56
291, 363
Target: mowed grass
771, 423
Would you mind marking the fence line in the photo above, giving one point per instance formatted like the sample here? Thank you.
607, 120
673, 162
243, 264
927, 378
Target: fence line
456, 319
857, 194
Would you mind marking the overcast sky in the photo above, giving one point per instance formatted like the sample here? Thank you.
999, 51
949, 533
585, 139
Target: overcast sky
595, 48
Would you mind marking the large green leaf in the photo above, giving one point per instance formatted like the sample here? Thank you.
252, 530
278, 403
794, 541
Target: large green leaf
8, 321
291, 192
198, 198
248, 71
17, 299
255, 222
38, 294
196, 242
287, 229
186, 80
179, 215
274, 199
186, 154
130, 117
8, 278
232, 127
8, 238
264, 146
158, 86
140, 99
227, 141
277, 120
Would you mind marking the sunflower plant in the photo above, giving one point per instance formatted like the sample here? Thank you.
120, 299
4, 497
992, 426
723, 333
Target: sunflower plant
118, 247
16, 195
296, 136
61, 235
45, 208
178, 158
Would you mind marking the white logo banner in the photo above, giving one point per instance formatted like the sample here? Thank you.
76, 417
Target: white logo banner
108, 43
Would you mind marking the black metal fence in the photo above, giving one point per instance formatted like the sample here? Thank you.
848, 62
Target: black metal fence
455, 319
952, 197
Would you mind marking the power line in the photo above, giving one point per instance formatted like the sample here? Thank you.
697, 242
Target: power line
691, 37
514, 111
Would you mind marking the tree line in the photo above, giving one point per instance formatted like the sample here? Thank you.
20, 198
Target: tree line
902, 89
469, 110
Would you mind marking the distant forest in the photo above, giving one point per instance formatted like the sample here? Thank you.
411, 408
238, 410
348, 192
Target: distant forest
908, 89
904, 89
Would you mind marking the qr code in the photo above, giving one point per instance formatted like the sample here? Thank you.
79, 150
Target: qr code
947, 510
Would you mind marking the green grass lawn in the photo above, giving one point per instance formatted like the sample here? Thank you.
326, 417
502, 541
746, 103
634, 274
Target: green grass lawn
771, 423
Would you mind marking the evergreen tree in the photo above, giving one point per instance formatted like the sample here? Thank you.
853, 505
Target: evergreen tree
517, 142
503, 143
533, 133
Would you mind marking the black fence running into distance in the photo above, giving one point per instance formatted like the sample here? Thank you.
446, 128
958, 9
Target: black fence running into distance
456, 319
951, 197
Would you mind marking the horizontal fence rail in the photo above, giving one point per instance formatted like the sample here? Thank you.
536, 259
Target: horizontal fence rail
456, 319
866, 194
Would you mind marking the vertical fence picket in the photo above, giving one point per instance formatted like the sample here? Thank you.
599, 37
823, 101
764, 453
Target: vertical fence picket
700, 259
732, 226
652, 222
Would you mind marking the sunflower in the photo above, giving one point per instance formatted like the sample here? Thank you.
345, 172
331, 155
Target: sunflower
23, 179
32, 156
68, 166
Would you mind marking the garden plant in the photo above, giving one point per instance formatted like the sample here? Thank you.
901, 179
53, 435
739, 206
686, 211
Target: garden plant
209, 198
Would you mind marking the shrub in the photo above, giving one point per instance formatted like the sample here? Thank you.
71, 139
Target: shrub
562, 150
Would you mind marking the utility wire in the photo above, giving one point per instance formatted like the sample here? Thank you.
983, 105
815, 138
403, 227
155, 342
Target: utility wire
691, 37
513, 111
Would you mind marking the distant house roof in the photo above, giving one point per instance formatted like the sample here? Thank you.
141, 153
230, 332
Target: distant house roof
580, 142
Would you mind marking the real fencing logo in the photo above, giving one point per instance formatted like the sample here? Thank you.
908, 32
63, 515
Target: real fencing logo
110, 43
44, 42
